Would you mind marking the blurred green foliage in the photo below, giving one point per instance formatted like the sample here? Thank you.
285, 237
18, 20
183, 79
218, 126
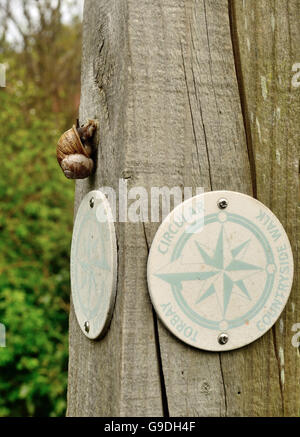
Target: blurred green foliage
35, 226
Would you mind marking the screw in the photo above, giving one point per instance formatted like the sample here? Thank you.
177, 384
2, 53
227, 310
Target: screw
222, 203
92, 202
223, 339
87, 327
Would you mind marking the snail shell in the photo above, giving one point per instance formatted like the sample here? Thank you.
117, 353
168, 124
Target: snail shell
73, 157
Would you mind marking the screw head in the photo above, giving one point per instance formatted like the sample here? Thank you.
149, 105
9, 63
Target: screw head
87, 327
92, 202
223, 339
222, 203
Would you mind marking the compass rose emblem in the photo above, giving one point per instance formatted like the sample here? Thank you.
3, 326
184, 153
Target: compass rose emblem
94, 264
220, 272
219, 278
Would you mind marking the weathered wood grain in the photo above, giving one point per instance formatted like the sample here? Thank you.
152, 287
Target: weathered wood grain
161, 76
111, 377
268, 45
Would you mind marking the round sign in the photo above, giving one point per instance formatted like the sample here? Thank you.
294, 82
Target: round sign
94, 264
220, 270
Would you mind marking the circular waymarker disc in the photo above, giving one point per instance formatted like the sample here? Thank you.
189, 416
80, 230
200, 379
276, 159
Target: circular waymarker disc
220, 270
94, 264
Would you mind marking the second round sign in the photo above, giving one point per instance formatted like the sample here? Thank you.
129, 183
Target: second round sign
220, 270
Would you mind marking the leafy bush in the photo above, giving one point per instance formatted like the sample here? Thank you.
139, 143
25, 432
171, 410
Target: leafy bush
35, 223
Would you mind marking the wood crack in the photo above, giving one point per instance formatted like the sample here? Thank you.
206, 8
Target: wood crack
224, 386
164, 397
204, 129
210, 62
279, 367
192, 116
242, 94
102, 71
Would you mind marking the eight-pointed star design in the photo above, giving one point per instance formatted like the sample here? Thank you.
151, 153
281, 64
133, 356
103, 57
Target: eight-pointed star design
221, 272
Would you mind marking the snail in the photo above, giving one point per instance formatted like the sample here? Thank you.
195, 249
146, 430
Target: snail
74, 150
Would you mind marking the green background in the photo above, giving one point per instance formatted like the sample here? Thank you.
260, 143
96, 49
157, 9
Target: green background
39, 102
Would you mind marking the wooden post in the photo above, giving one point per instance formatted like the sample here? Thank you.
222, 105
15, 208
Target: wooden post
267, 39
180, 101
